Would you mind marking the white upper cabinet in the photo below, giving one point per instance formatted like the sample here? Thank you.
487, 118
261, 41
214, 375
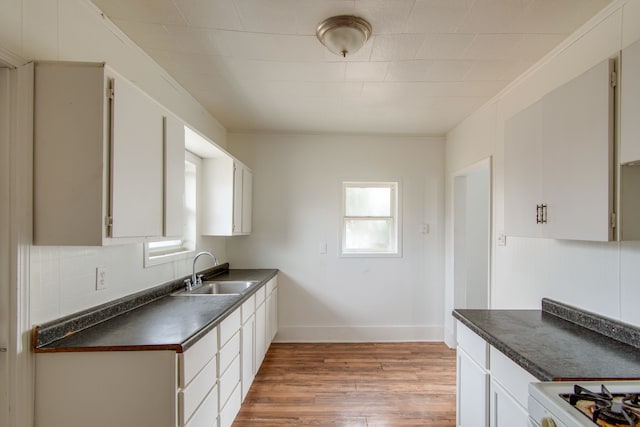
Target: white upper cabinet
173, 177
228, 188
136, 163
630, 105
98, 157
559, 162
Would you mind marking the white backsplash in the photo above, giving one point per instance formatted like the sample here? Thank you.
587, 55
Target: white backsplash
63, 278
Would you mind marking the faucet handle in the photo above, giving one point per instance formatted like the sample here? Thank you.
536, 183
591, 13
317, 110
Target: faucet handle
199, 279
187, 284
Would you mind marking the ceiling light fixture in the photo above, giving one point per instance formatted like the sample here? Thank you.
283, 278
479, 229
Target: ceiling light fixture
344, 34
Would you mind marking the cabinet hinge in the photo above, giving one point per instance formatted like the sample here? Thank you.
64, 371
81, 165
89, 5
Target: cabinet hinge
614, 79
613, 220
110, 92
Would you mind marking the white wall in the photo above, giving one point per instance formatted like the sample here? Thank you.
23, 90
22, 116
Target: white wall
63, 278
296, 209
600, 277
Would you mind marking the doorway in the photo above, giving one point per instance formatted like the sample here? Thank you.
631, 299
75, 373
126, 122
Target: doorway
472, 236
5, 157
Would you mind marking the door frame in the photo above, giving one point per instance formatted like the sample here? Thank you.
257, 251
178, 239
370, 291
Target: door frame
19, 356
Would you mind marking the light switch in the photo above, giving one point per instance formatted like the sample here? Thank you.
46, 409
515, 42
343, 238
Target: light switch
502, 240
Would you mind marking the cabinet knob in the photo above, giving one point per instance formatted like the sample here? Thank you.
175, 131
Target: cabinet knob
547, 422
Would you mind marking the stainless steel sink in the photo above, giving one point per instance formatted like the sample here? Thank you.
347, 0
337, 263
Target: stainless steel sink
213, 287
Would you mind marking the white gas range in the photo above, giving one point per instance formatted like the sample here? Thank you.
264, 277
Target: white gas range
567, 404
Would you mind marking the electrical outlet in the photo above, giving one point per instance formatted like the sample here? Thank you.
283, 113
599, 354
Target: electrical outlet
101, 278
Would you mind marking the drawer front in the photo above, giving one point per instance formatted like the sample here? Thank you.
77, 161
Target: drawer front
248, 308
271, 285
231, 409
228, 381
473, 345
190, 398
196, 357
229, 352
229, 326
512, 377
261, 294
207, 413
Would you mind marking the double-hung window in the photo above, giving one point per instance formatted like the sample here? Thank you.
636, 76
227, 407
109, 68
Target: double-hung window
370, 219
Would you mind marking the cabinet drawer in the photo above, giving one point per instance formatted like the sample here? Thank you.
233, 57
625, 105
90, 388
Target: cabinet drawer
229, 352
207, 413
231, 409
248, 308
261, 295
229, 326
473, 345
512, 377
196, 357
193, 395
271, 285
229, 380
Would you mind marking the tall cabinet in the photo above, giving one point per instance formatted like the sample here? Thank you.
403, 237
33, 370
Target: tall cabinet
559, 167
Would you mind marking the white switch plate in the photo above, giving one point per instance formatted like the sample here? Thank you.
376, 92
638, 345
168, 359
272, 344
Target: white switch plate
101, 278
502, 240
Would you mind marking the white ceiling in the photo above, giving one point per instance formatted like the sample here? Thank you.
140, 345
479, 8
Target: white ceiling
257, 65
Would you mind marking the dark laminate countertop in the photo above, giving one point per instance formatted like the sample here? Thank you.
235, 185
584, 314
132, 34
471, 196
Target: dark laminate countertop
553, 348
166, 323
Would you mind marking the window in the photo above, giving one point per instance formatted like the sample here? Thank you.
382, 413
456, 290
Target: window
162, 251
370, 219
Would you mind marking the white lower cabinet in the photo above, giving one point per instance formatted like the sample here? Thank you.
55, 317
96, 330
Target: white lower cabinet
492, 390
202, 387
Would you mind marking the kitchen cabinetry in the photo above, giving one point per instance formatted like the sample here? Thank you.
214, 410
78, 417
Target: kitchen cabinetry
173, 177
248, 344
86, 388
491, 389
508, 391
98, 157
261, 325
230, 398
272, 309
472, 402
228, 189
559, 162
629, 153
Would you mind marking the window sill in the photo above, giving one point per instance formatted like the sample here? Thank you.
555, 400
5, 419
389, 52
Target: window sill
150, 261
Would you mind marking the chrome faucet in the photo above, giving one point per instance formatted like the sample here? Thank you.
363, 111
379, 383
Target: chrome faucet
196, 281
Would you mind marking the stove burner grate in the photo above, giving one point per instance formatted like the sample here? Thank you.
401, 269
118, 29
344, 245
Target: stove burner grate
620, 409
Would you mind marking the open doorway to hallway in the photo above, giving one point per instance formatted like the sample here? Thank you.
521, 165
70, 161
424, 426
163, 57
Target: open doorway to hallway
472, 236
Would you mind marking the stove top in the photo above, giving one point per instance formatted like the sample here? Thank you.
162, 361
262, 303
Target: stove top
605, 408
585, 404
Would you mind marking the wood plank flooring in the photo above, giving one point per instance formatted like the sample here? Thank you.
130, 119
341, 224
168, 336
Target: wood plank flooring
369, 384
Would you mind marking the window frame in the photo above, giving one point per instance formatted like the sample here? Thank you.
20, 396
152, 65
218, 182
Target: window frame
183, 252
396, 217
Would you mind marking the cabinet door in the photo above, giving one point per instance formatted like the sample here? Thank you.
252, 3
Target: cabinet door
472, 392
505, 410
577, 167
248, 352
630, 104
237, 198
261, 334
522, 183
272, 307
173, 177
247, 195
136, 163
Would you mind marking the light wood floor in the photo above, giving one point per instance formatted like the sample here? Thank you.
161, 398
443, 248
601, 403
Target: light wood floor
388, 384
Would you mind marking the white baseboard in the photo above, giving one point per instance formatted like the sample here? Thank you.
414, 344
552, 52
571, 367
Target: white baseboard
358, 333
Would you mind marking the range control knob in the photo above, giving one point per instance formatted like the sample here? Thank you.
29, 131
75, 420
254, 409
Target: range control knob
547, 422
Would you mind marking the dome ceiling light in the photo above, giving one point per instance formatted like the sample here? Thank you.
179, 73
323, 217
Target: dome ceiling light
344, 34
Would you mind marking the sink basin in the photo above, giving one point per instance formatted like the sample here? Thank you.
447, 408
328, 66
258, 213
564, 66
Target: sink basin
213, 287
